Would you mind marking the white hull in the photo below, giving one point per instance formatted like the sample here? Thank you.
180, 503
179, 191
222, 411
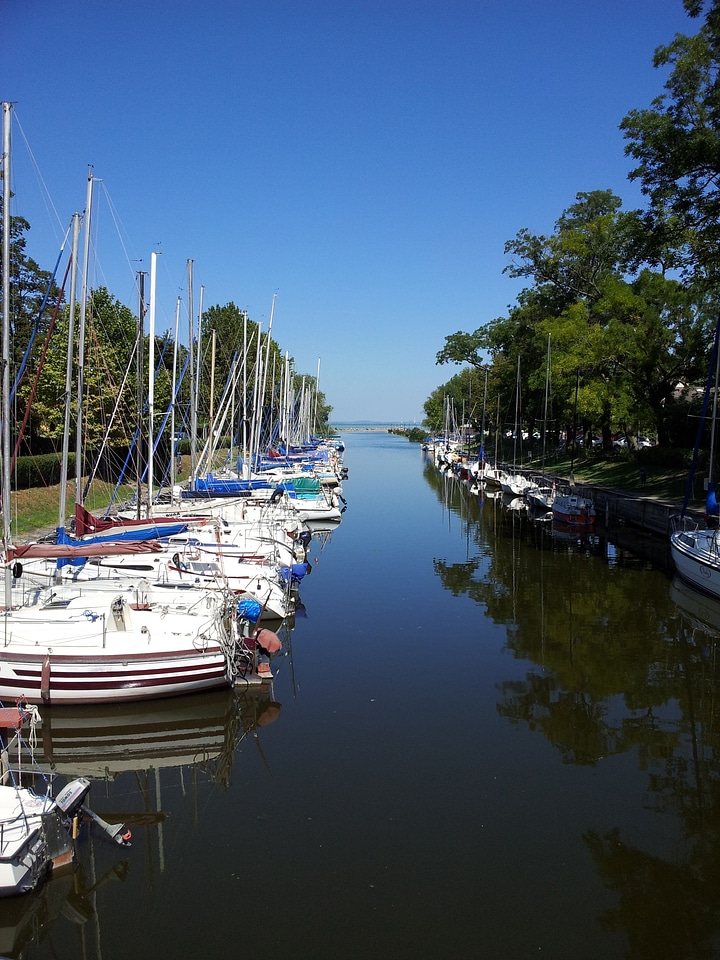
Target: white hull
26, 821
103, 647
696, 558
515, 484
573, 510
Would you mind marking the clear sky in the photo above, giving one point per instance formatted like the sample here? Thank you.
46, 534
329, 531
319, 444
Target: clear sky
365, 160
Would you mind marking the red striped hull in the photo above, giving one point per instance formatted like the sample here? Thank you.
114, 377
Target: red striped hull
60, 679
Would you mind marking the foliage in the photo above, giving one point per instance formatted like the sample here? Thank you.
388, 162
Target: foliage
619, 341
29, 286
464, 392
627, 299
39, 471
676, 143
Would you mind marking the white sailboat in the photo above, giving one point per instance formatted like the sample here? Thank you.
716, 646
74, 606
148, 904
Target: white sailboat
112, 645
696, 550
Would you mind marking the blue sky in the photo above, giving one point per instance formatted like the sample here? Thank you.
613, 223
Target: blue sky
365, 160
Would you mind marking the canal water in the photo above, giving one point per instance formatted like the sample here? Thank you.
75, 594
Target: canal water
483, 740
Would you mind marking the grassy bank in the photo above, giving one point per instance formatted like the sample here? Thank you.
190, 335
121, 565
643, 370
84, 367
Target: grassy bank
36, 510
667, 483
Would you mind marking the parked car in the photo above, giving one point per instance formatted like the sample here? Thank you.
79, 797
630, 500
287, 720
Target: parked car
621, 443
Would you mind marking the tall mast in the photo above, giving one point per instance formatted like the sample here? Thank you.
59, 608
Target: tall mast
173, 400
317, 391
6, 344
81, 341
547, 397
69, 370
245, 451
193, 387
140, 378
151, 378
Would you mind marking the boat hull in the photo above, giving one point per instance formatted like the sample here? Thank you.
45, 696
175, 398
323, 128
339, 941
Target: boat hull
54, 678
696, 558
573, 511
102, 646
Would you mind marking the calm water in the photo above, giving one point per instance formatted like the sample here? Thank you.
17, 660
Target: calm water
483, 741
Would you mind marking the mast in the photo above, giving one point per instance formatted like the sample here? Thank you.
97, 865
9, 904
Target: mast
173, 400
6, 345
547, 395
193, 386
245, 451
482, 427
212, 380
69, 371
151, 378
256, 400
317, 391
517, 416
140, 378
198, 357
81, 340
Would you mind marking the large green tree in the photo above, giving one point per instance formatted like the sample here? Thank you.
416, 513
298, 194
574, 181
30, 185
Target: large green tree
676, 143
626, 338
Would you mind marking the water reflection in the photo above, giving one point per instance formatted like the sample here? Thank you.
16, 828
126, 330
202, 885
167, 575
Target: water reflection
138, 756
617, 664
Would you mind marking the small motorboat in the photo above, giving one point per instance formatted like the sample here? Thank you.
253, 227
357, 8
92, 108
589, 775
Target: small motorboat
36, 833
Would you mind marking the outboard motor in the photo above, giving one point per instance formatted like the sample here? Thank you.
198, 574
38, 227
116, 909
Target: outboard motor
71, 797
71, 801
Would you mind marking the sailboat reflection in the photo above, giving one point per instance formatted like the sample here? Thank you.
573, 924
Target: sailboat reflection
111, 743
102, 742
701, 611
26, 920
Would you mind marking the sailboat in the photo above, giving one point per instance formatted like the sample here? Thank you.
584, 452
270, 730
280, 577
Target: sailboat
541, 493
113, 644
515, 484
571, 508
696, 550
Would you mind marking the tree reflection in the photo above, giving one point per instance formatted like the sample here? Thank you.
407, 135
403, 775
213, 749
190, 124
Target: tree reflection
668, 911
618, 663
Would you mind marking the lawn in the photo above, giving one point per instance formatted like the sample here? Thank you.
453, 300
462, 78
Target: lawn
661, 481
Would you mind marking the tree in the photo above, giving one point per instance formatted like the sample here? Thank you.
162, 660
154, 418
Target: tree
465, 392
29, 286
629, 333
110, 334
676, 143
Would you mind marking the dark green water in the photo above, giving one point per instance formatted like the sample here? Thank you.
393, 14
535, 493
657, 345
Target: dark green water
491, 743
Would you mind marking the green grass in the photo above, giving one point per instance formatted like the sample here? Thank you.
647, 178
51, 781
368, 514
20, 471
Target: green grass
663, 482
36, 511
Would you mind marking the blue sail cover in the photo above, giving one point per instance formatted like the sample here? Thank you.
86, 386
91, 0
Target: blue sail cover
249, 609
217, 487
295, 573
712, 510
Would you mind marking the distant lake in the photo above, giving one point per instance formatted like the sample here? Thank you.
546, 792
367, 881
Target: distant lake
483, 740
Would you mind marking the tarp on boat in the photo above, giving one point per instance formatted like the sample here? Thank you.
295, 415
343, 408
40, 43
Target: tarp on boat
152, 528
57, 551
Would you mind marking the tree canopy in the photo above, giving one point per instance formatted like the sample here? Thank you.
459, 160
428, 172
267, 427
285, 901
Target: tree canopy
626, 298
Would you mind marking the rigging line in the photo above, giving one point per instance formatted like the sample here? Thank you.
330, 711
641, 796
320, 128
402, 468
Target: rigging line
706, 400
41, 364
118, 223
36, 323
36, 168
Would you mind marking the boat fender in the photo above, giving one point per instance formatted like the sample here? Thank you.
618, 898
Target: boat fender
269, 641
45, 680
17, 570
